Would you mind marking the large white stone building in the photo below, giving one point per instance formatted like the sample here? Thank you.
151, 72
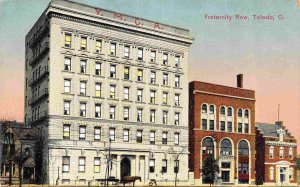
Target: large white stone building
92, 74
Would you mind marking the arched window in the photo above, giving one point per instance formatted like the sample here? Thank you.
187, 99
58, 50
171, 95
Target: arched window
27, 151
226, 147
222, 110
211, 109
229, 111
204, 108
240, 113
243, 148
281, 152
271, 152
290, 152
246, 113
271, 173
207, 146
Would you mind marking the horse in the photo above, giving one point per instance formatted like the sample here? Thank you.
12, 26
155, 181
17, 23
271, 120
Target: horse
128, 179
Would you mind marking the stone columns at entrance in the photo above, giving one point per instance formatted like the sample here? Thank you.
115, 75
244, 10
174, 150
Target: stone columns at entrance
137, 164
146, 169
118, 167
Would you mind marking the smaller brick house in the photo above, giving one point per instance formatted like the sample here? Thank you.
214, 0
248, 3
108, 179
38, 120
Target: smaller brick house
276, 153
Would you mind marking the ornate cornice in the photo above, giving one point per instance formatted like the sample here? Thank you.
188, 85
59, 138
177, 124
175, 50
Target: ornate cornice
115, 28
281, 143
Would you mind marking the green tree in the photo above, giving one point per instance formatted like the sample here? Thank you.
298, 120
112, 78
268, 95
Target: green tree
209, 168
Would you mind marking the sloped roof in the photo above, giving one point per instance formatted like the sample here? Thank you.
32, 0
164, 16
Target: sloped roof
25, 133
270, 129
29, 163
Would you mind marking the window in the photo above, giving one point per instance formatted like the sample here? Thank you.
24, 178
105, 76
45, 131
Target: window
98, 111
81, 167
140, 75
152, 96
112, 111
97, 164
82, 132
140, 95
207, 146
222, 110
165, 59
211, 109
165, 79
82, 88
291, 177
83, 42
222, 125
126, 135
204, 108
66, 132
112, 134
204, 124
83, 109
165, 98
290, 153
176, 100
66, 107
176, 138
164, 166
97, 90
113, 49
82, 66
139, 115
229, 126
126, 93
177, 81
281, 152
97, 133
152, 116
243, 148
164, 138
65, 164
98, 46
140, 54
211, 124
152, 137
246, 113
67, 40
271, 173
226, 147
126, 51
246, 126
126, 113
98, 68
151, 165
165, 117
271, 152
229, 111
139, 136
240, 127
240, 113
112, 71
177, 62
126, 73
67, 85
67, 64
153, 56
176, 166
153, 77
177, 118
112, 93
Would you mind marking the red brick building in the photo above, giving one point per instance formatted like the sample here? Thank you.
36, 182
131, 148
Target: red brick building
222, 123
276, 154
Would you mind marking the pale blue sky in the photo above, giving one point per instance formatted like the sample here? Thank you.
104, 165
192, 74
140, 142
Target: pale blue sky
266, 52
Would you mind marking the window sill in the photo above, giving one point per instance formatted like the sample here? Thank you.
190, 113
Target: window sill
112, 78
70, 48
113, 99
83, 50
98, 53
85, 74
128, 101
98, 97
64, 93
165, 105
126, 58
178, 106
166, 86
82, 95
140, 60
100, 76
140, 82
113, 56
140, 102
127, 80
72, 72
177, 88
177, 67
154, 104
153, 84
165, 65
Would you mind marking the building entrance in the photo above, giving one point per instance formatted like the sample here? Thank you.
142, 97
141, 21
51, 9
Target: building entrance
125, 167
225, 176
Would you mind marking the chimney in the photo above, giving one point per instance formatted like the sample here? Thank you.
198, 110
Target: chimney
239, 80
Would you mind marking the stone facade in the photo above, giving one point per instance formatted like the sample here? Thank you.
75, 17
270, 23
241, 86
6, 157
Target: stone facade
276, 151
222, 123
92, 75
